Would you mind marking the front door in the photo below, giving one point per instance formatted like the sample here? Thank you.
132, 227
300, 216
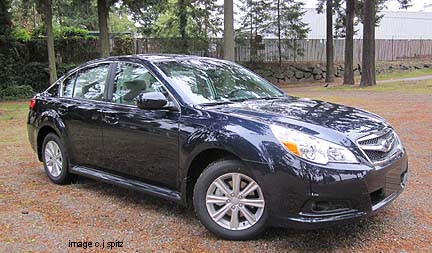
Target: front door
81, 103
139, 143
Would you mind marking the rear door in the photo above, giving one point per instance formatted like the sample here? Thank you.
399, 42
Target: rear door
82, 100
139, 143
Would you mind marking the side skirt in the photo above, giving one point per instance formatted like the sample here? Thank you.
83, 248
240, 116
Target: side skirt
127, 183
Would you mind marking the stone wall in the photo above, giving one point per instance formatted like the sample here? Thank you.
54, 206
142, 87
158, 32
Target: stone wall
295, 72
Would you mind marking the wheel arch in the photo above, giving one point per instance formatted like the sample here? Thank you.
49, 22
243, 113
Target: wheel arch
42, 133
200, 162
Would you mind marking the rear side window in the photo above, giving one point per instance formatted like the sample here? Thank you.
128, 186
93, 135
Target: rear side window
131, 80
90, 82
68, 85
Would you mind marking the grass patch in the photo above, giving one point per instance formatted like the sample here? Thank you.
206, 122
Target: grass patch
404, 74
419, 87
13, 110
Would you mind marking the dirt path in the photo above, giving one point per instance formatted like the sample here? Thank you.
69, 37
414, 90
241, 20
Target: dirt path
38, 216
417, 78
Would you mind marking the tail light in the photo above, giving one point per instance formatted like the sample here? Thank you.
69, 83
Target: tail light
32, 103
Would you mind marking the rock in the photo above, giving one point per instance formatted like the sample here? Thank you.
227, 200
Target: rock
298, 74
267, 73
307, 75
278, 74
289, 74
316, 70
318, 76
403, 67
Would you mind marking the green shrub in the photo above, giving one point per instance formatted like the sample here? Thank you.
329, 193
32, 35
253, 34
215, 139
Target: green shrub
67, 32
16, 92
123, 45
21, 34
35, 74
63, 68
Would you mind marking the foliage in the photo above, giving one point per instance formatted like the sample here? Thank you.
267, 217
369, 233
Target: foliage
16, 92
75, 13
5, 18
145, 13
67, 32
254, 17
21, 34
340, 12
62, 33
289, 24
201, 19
119, 21
123, 45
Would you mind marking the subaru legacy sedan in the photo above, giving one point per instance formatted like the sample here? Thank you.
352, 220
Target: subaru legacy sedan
211, 134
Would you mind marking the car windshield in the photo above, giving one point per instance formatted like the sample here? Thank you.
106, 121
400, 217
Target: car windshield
212, 82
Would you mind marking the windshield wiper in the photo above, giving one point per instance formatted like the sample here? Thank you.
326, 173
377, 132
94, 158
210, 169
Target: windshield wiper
245, 99
216, 103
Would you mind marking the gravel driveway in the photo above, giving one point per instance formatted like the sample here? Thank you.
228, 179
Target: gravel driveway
38, 216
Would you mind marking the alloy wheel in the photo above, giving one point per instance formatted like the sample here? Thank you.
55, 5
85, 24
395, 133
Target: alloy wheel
53, 158
235, 201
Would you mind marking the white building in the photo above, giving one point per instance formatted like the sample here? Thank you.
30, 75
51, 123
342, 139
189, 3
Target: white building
393, 25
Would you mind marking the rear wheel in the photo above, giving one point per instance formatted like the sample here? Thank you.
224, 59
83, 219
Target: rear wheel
55, 160
229, 201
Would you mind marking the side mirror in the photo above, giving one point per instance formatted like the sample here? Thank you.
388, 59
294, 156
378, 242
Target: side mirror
151, 100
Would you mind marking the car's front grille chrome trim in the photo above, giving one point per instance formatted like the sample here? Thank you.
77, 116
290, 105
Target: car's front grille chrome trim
380, 147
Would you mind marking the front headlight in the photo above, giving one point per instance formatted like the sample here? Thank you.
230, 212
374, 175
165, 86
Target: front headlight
312, 148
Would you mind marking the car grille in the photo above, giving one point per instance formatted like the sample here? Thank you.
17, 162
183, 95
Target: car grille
380, 147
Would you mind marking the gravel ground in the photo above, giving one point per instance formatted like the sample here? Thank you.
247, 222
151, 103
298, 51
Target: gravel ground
38, 216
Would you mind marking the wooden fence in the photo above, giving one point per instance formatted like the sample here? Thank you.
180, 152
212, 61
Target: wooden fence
314, 50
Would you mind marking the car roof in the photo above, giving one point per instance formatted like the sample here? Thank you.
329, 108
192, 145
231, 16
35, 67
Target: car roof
160, 57
154, 58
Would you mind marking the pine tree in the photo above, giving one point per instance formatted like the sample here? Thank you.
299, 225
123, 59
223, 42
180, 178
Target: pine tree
288, 25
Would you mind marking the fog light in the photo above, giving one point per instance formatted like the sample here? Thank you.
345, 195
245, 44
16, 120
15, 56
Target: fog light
328, 206
404, 179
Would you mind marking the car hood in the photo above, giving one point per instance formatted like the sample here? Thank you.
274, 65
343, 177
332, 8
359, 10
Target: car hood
323, 118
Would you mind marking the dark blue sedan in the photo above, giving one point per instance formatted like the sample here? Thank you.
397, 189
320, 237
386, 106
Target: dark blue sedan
212, 134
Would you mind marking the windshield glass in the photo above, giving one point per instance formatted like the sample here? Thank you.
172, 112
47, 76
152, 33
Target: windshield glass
209, 82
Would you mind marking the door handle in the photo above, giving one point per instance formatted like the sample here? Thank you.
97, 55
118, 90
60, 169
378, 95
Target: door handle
111, 119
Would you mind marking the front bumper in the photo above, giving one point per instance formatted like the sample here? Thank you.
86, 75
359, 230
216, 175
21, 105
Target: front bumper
363, 189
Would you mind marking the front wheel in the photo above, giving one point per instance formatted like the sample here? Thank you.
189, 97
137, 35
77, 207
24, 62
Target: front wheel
55, 160
229, 202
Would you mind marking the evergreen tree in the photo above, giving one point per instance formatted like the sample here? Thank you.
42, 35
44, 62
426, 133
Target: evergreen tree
288, 25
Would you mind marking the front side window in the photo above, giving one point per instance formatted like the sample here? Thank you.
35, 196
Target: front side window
90, 82
132, 79
208, 81
68, 85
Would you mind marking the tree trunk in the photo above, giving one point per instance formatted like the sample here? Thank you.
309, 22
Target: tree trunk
182, 15
229, 53
103, 12
279, 33
349, 43
329, 42
50, 39
368, 55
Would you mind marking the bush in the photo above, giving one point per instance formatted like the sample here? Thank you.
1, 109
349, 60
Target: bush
67, 32
64, 68
16, 92
21, 35
123, 45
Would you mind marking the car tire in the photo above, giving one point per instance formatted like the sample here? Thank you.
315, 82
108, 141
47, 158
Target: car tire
213, 202
55, 159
